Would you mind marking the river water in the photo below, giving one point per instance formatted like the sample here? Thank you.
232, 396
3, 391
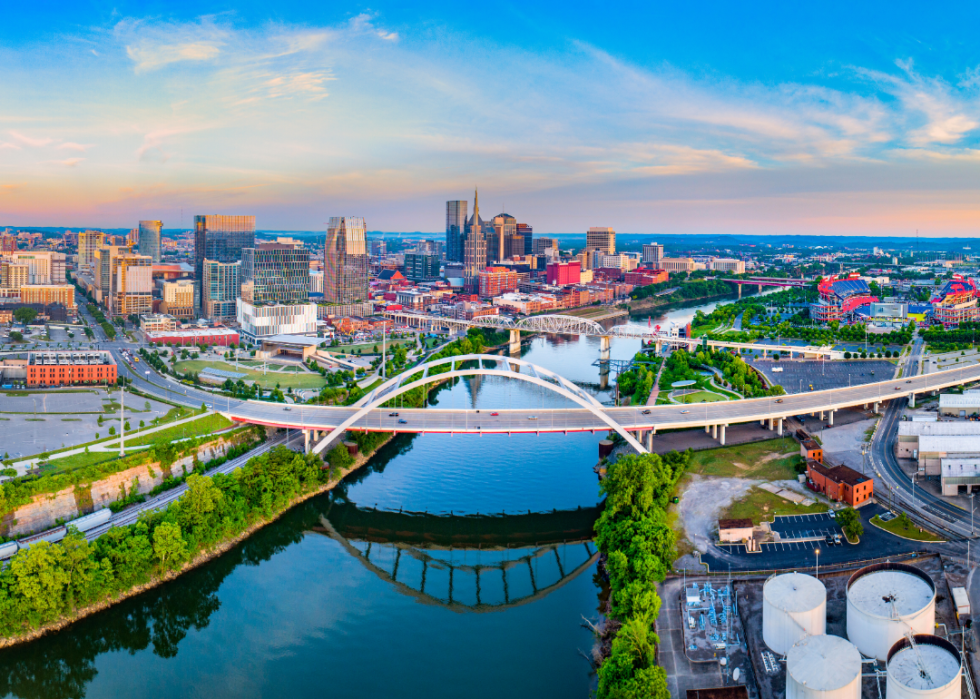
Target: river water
449, 566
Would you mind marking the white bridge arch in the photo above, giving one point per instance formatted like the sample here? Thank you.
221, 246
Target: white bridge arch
400, 384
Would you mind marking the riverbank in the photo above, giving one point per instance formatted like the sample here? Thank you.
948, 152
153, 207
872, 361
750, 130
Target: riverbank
211, 553
656, 303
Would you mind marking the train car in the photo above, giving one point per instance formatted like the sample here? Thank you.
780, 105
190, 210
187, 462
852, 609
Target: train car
8, 549
52, 535
91, 521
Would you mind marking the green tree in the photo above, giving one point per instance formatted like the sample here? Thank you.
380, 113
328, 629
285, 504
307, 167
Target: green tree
631, 671
850, 521
112, 431
25, 315
38, 579
197, 505
169, 546
83, 573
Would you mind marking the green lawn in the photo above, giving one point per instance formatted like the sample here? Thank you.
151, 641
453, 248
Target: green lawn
265, 381
202, 426
761, 505
896, 527
702, 397
368, 347
773, 459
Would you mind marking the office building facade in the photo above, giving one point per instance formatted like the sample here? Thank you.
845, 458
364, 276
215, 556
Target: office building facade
421, 267
474, 244
504, 227
455, 229
527, 235
653, 253
148, 239
49, 293
220, 239
123, 281
258, 321
276, 273
177, 298
220, 289
345, 261
602, 239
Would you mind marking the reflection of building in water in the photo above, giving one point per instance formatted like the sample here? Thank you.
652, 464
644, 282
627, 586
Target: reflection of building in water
469, 563
473, 385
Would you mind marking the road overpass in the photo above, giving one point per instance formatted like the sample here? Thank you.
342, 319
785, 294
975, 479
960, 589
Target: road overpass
324, 424
573, 325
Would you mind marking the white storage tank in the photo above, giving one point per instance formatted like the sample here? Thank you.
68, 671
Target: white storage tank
931, 670
885, 601
823, 667
793, 605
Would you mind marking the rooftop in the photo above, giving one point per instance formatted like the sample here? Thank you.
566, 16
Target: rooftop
838, 474
949, 444
942, 667
293, 340
915, 428
883, 593
734, 524
954, 400
70, 358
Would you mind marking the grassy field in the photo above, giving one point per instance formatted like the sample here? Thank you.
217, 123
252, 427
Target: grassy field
265, 381
202, 426
773, 459
911, 532
761, 505
368, 347
702, 397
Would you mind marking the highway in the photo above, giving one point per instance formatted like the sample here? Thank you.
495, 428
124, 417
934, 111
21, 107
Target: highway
534, 420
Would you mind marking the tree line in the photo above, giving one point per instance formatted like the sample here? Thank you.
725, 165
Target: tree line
638, 543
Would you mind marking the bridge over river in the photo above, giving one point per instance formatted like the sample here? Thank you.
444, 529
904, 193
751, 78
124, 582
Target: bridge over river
380, 411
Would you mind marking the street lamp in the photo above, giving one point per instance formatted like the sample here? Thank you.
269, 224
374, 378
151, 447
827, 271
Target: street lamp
817, 552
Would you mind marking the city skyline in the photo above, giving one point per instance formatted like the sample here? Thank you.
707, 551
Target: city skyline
794, 124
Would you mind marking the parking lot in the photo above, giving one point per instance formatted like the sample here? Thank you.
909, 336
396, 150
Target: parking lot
805, 526
798, 376
874, 543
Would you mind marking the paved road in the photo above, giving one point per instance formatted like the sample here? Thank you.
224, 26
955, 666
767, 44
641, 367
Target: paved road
582, 419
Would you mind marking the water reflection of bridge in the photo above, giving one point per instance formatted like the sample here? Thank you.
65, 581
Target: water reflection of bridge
475, 563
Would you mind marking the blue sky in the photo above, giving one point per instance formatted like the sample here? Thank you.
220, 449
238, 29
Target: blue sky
681, 118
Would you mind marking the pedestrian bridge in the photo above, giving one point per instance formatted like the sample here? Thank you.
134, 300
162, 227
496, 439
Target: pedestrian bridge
573, 325
379, 411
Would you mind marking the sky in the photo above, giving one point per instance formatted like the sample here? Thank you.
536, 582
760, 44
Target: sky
710, 118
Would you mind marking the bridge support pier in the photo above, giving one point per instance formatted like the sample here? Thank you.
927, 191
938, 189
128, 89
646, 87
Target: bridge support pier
822, 418
779, 424
649, 440
714, 431
911, 400
722, 436
306, 441
515, 341
875, 408
707, 429
831, 420
604, 348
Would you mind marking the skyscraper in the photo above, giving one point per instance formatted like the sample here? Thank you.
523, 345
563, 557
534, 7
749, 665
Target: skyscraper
455, 230
475, 245
220, 287
603, 239
653, 253
504, 227
88, 243
527, 233
276, 273
220, 239
149, 239
345, 261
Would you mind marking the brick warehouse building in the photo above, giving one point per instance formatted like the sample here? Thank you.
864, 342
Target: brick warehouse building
840, 483
70, 368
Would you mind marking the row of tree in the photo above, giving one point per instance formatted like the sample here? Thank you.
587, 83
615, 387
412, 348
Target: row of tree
638, 544
50, 581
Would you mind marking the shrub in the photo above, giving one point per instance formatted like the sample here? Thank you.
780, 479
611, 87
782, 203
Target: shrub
847, 355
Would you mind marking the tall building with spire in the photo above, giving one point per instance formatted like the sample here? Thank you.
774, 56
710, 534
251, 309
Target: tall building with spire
475, 246
346, 264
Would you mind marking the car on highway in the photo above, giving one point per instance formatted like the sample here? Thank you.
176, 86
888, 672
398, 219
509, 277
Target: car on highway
532, 417
909, 381
685, 412
403, 421
898, 388
646, 412
779, 400
286, 407
392, 414
494, 414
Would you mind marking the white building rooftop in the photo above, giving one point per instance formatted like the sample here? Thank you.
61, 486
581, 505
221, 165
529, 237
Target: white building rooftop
969, 399
949, 444
922, 428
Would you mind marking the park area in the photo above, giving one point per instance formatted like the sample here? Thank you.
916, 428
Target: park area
283, 376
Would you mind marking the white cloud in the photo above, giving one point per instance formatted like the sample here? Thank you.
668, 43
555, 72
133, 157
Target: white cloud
152, 45
30, 141
70, 145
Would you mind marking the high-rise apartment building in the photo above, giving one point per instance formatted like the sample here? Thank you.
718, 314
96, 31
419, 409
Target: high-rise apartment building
88, 243
563, 273
220, 288
345, 261
148, 239
653, 253
43, 266
527, 233
276, 273
124, 281
455, 230
177, 298
13, 275
602, 239
474, 244
542, 245
420, 267
220, 239
8, 243
495, 281
45, 294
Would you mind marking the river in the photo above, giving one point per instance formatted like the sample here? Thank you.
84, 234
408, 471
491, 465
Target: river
398, 583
